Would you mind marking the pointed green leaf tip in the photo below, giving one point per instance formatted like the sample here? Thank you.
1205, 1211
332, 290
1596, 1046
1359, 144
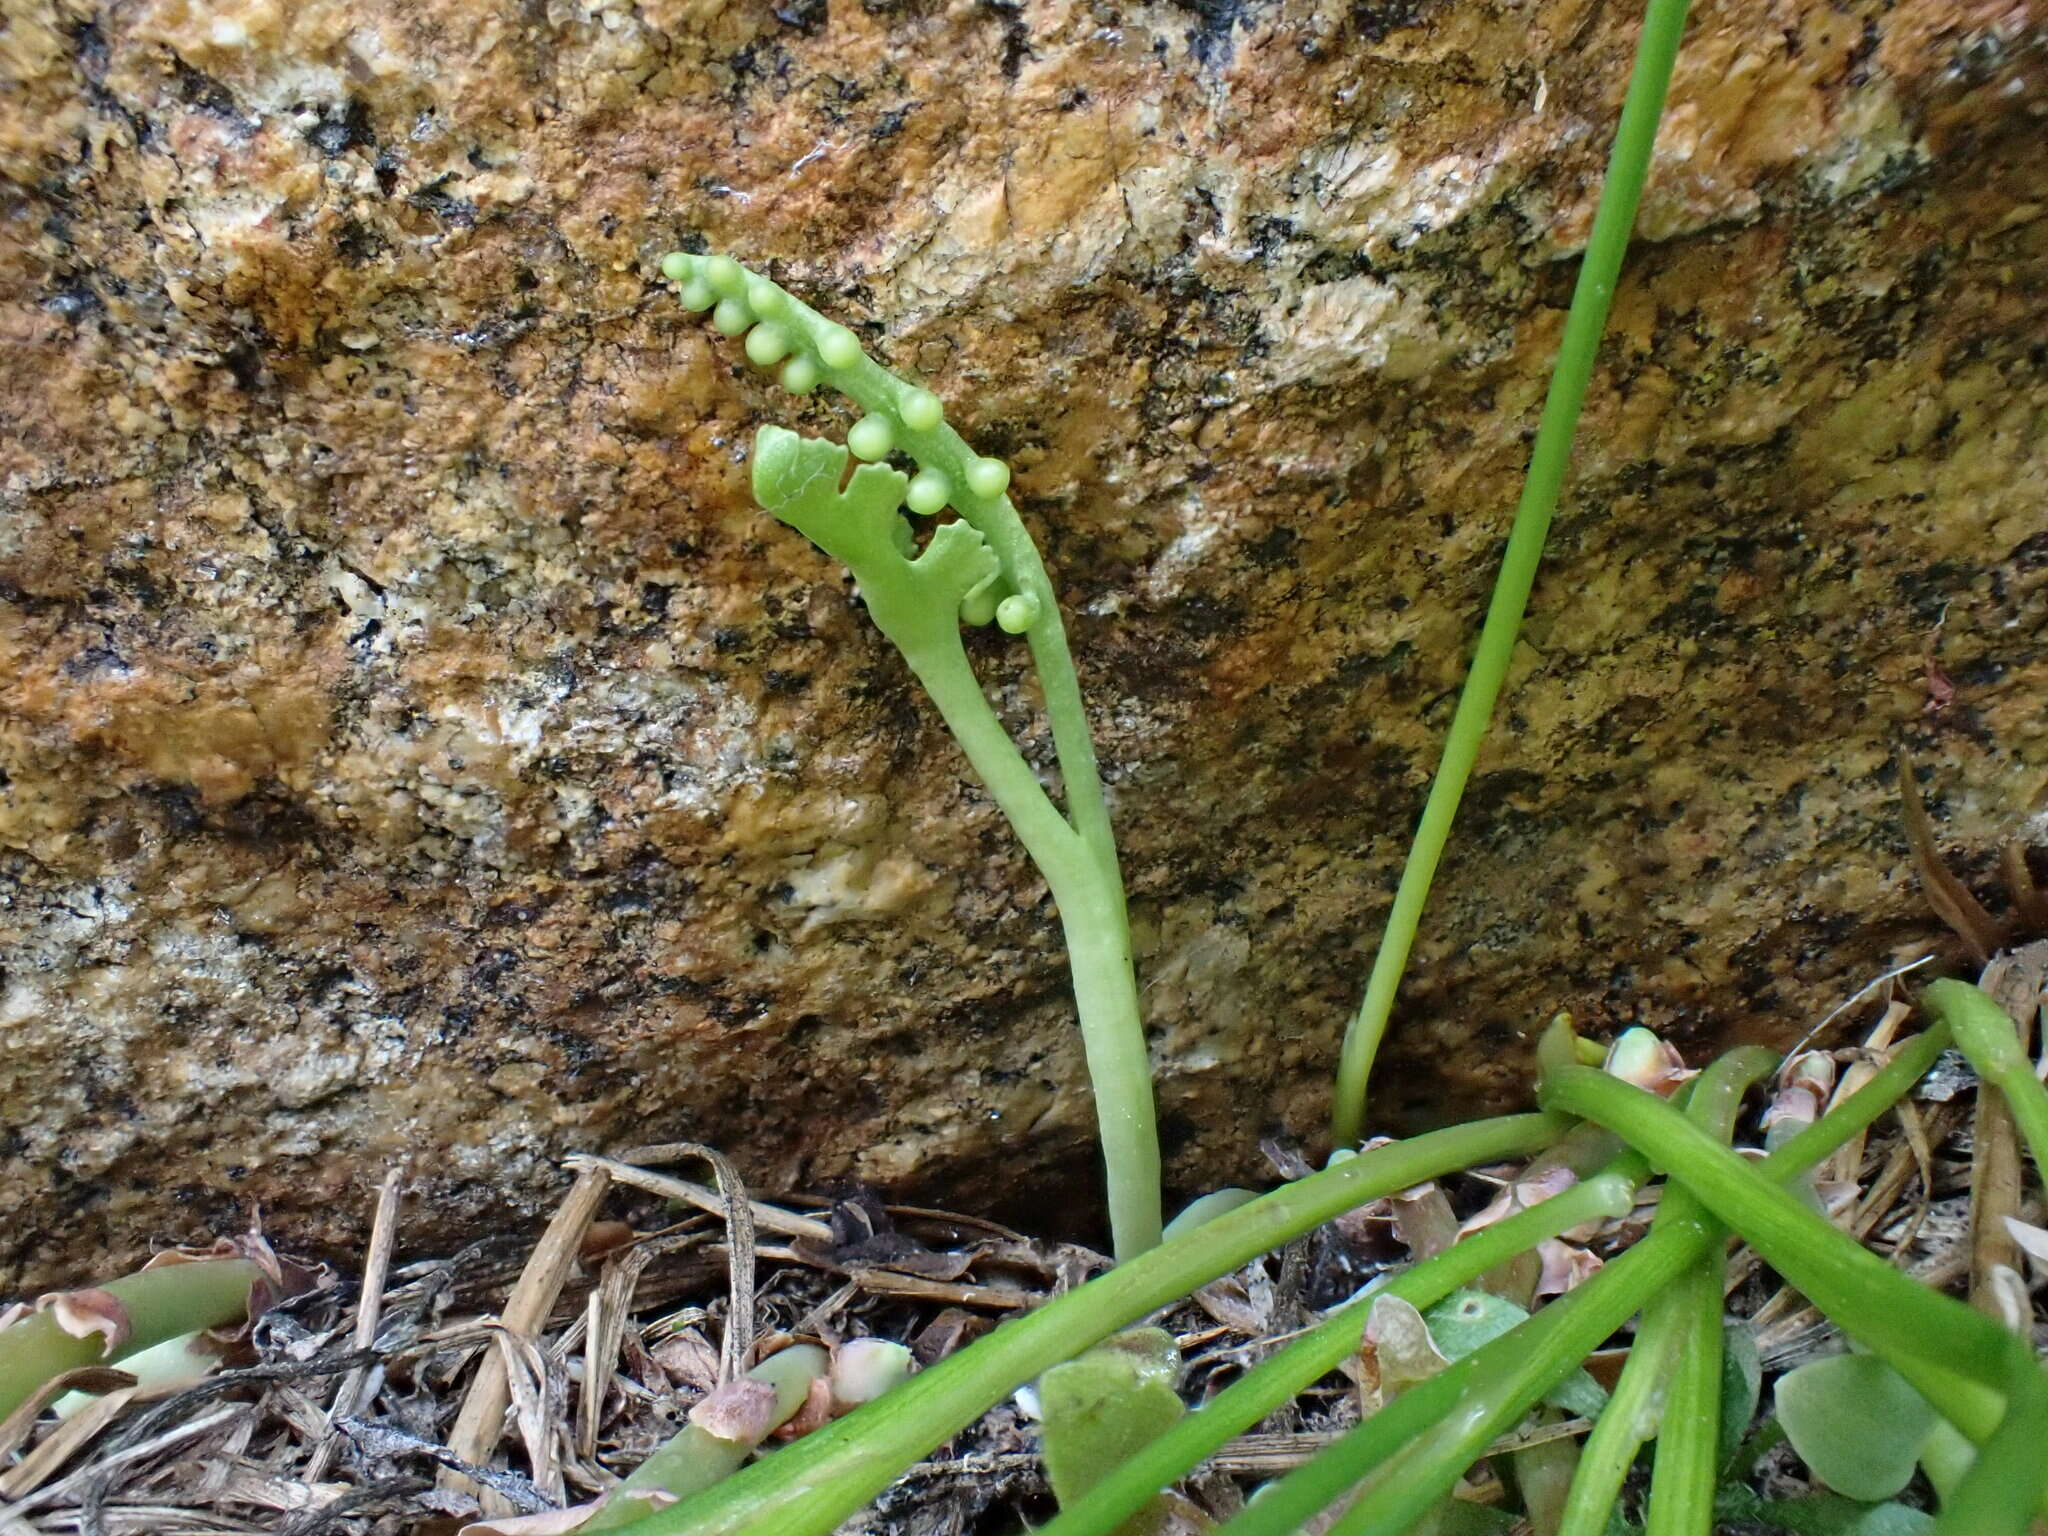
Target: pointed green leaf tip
678, 267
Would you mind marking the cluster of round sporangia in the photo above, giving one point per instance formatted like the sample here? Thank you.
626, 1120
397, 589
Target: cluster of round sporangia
813, 350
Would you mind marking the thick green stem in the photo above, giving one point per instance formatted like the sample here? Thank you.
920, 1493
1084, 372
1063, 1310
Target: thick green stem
1457, 1413
1669, 1322
1985, 1033
1688, 1440
1624, 1426
1512, 1381
1898, 1318
2001, 1492
1315, 1354
814, 1485
1119, 1065
1438, 1428
948, 680
693, 1459
1080, 866
161, 1303
1627, 168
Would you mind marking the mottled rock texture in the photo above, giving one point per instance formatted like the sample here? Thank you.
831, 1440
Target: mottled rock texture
416, 746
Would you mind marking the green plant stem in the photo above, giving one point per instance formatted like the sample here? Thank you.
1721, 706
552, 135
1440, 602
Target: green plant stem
1079, 864
1627, 168
161, 1304
1985, 1033
1509, 1377
1511, 1383
1080, 867
693, 1459
1952, 1354
1903, 1321
1077, 851
1689, 1438
1280, 1379
815, 1484
1634, 1409
1098, 936
1457, 1413
2002, 1491
1624, 1426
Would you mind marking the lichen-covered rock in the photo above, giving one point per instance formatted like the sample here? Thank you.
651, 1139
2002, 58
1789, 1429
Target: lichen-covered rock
416, 746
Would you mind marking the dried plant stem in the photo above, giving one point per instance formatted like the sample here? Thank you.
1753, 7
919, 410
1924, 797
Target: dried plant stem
481, 1423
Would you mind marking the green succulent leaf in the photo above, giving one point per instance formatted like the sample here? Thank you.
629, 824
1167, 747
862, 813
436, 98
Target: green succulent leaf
1742, 1384
1465, 1320
1102, 1407
1820, 1514
1855, 1422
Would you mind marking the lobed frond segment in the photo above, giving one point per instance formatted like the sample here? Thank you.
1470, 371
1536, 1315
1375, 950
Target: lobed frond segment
914, 601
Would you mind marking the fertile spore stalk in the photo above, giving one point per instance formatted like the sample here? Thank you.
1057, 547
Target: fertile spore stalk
982, 567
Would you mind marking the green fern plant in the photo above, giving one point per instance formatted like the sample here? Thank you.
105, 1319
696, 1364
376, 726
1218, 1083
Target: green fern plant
979, 567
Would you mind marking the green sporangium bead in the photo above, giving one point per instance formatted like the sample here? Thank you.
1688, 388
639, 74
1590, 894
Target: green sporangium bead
678, 266
979, 606
727, 276
767, 345
988, 478
731, 317
839, 348
765, 298
929, 492
920, 410
871, 438
799, 375
1017, 612
697, 295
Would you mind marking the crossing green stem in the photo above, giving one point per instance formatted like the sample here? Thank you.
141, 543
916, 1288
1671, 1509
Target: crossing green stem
811, 1487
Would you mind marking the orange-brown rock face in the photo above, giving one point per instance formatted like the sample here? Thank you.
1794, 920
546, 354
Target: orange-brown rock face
417, 747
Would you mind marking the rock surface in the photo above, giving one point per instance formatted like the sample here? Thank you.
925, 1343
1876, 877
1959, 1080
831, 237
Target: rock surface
414, 746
